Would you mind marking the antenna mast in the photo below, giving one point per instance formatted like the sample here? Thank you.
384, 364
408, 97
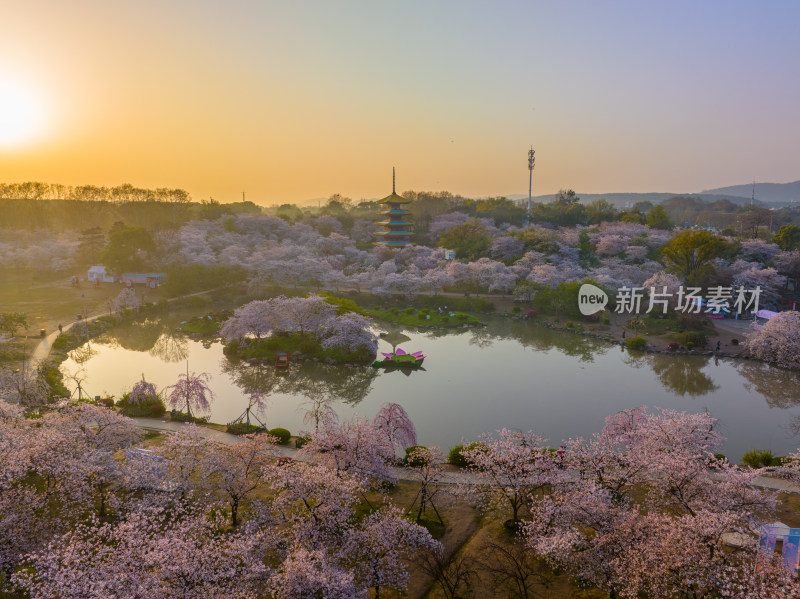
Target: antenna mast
531, 164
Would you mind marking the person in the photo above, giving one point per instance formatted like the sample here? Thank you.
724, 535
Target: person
60, 329
560, 453
623, 333
717, 345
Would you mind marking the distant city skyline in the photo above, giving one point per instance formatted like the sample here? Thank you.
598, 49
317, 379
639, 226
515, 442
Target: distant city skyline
291, 102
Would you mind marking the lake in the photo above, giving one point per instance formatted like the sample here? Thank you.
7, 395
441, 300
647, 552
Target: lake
510, 373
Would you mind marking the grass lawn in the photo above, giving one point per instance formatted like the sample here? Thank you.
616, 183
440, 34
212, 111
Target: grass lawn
414, 318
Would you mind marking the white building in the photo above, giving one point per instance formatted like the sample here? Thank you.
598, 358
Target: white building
98, 274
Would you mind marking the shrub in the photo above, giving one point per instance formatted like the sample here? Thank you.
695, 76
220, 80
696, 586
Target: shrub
150, 406
637, 343
568, 324
606, 320
692, 337
242, 428
300, 441
734, 342
461, 316
758, 458
409, 310
183, 417
515, 309
394, 311
530, 314
281, 434
673, 346
414, 461
455, 458
108, 402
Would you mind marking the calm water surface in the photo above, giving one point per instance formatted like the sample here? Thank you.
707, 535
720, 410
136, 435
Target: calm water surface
509, 374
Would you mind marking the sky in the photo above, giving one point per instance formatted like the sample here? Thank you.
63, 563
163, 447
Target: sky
293, 101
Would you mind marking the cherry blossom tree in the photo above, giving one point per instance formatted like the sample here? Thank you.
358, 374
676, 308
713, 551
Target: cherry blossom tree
395, 427
155, 551
191, 392
311, 574
350, 332
126, 300
185, 453
611, 245
507, 248
759, 250
663, 283
142, 392
319, 410
598, 528
379, 547
635, 253
777, 341
312, 505
767, 279
239, 468
436, 280
510, 470
26, 387
355, 447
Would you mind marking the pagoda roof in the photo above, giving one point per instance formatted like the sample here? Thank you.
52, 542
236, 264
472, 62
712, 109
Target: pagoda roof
394, 199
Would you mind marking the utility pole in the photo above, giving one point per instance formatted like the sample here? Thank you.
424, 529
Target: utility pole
531, 164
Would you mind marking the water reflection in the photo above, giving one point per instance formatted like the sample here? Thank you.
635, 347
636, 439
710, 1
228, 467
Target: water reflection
81, 355
538, 338
157, 337
138, 336
682, 375
170, 346
307, 379
780, 387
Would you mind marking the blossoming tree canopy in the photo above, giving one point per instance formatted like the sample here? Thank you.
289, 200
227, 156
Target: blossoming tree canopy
778, 341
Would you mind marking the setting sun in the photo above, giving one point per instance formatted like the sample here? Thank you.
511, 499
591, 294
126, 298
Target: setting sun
20, 118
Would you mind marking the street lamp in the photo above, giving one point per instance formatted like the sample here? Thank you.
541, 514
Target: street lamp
531, 164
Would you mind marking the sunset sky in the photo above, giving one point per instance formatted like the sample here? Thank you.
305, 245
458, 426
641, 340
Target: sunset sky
291, 101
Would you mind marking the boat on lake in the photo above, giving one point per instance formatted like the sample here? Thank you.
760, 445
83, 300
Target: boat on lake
400, 359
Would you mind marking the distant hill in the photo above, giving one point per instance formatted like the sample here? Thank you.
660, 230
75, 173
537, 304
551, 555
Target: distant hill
622, 200
766, 192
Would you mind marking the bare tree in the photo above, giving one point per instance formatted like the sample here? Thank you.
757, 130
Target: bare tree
449, 570
515, 570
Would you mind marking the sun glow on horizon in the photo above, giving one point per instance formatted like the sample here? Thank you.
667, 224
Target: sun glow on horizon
21, 118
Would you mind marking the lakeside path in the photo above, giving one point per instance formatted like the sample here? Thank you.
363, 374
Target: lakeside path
452, 475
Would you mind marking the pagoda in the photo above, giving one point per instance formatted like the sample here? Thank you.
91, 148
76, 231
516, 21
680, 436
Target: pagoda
397, 226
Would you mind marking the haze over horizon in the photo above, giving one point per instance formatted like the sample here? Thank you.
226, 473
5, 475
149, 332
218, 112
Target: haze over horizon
290, 102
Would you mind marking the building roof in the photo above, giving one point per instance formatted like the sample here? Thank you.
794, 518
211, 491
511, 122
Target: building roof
394, 199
